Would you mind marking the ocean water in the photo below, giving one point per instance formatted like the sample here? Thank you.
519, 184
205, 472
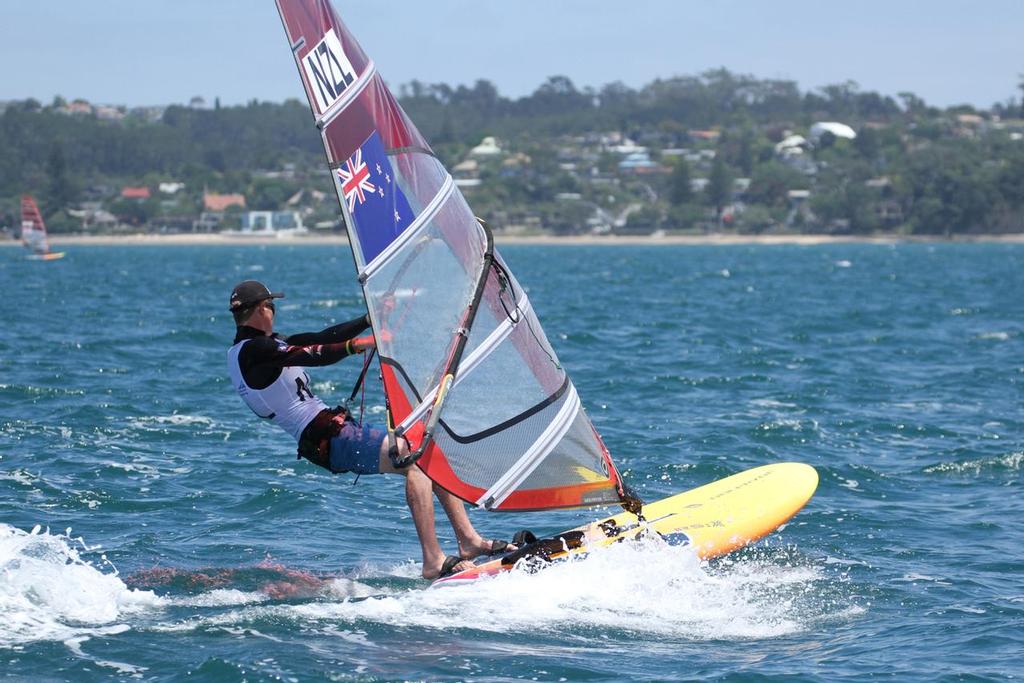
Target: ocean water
152, 529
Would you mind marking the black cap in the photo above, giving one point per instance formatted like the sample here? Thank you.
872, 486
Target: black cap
251, 292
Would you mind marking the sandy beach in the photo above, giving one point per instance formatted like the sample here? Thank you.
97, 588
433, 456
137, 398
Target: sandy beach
142, 239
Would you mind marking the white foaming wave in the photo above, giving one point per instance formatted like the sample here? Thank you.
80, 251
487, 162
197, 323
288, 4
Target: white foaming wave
783, 424
175, 420
136, 467
350, 588
21, 476
647, 588
75, 645
49, 592
771, 403
325, 388
221, 597
410, 569
1010, 461
250, 608
995, 336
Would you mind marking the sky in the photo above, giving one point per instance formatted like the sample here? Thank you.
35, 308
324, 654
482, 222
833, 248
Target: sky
166, 51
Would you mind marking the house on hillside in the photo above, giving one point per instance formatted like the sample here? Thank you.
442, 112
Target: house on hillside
208, 221
625, 147
704, 135
271, 221
639, 163
793, 151
218, 203
840, 130
79, 107
139, 193
488, 147
98, 220
148, 114
172, 187
467, 173
799, 207
108, 113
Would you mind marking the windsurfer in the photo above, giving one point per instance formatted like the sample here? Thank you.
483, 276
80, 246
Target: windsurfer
267, 370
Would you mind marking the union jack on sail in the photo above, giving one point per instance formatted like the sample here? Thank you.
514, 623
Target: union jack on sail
355, 179
379, 209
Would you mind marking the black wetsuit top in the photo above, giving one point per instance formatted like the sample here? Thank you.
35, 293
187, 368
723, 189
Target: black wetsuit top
261, 359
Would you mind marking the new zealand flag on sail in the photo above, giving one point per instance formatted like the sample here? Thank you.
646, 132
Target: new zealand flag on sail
378, 208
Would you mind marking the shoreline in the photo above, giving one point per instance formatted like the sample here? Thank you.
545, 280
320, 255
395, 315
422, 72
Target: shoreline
211, 239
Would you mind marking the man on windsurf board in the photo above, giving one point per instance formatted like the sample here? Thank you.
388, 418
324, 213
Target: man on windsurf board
268, 372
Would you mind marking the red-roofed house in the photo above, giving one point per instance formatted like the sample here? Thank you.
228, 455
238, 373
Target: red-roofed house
135, 193
220, 202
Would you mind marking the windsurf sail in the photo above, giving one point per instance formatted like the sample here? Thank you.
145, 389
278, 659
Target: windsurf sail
469, 377
33, 231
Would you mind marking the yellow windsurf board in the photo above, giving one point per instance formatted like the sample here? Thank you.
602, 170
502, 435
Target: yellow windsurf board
714, 519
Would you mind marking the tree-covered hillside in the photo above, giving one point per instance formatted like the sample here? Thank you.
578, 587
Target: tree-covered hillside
719, 151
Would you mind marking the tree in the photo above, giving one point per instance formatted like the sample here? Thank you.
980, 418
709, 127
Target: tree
269, 194
771, 181
756, 219
1020, 85
61, 190
826, 140
745, 153
684, 217
643, 221
679, 191
912, 104
849, 201
719, 189
132, 211
447, 133
950, 191
867, 143
1010, 181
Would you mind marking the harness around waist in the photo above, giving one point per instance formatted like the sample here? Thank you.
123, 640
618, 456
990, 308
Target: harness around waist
315, 440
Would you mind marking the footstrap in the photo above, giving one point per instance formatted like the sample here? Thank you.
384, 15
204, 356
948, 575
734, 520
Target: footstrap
546, 548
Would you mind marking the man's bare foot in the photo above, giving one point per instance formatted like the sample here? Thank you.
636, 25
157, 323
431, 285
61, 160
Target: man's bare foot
447, 565
483, 546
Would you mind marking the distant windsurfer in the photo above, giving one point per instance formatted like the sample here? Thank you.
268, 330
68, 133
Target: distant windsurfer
268, 372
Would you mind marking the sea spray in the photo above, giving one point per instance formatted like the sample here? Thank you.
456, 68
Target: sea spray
644, 587
49, 591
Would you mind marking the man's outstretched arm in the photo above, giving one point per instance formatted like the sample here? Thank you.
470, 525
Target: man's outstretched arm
262, 359
335, 334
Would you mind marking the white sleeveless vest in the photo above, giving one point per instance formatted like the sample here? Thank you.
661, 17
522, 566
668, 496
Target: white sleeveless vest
288, 402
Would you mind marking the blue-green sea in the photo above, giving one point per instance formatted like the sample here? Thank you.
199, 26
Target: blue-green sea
152, 529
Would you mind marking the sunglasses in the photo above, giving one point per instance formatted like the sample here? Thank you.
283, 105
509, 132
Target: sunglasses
270, 304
